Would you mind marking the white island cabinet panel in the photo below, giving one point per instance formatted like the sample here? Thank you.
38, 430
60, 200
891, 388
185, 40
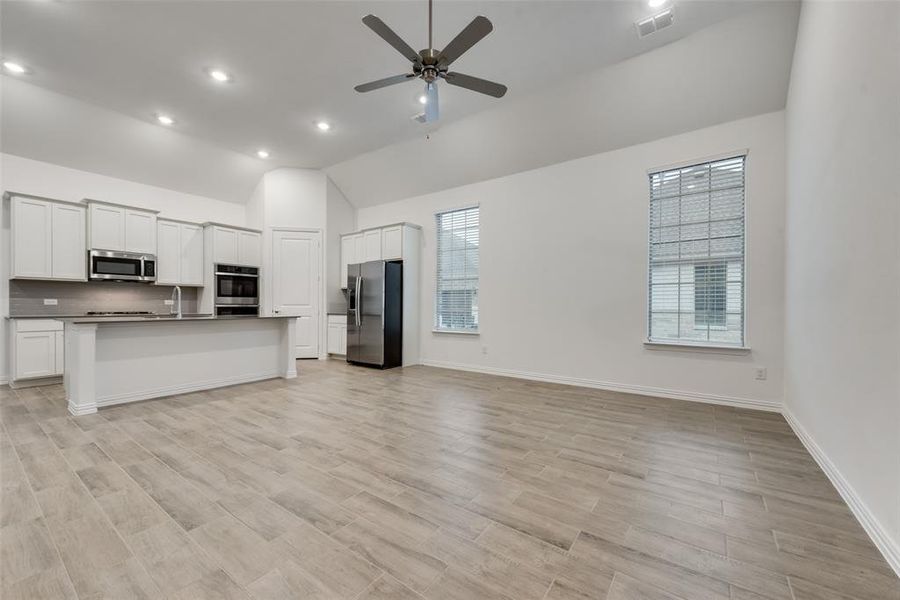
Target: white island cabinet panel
114, 361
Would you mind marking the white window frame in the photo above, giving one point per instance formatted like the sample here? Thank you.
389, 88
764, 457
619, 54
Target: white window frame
698, 345
437, 215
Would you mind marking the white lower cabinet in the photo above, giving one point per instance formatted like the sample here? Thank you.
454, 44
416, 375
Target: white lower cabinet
38, 348
337, 334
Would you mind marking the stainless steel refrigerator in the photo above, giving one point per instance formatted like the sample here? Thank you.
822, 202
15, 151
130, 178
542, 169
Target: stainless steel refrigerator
375, 313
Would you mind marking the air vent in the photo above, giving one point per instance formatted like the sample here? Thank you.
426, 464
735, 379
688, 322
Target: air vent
653, 24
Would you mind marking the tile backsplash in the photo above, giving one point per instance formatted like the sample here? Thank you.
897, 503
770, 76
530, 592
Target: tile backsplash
26, 297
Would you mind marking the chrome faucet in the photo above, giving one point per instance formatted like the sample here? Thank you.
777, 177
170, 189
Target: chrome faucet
176, 302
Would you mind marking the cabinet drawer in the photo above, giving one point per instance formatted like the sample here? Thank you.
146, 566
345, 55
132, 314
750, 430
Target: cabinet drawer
27, 325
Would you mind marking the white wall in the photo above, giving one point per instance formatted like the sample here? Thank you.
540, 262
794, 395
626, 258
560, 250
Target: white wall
843, 252
564, 270
28, 176
340, 218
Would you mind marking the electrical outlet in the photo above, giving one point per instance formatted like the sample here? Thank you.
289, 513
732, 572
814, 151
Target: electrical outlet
168, 302
50, 302
761, 373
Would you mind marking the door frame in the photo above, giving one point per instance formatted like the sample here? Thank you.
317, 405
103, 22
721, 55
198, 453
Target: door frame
321, 331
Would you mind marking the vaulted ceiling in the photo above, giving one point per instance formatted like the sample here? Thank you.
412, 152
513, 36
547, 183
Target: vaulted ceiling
296, 62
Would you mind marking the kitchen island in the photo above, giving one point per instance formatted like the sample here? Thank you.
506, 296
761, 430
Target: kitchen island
125, 359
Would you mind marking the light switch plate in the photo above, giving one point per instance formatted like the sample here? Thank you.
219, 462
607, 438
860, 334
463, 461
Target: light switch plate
50, 302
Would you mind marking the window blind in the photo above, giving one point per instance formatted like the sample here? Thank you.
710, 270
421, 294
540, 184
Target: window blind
696, 275
456, 302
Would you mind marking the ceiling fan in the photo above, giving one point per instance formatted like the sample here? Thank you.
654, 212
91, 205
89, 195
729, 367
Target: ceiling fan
431, 65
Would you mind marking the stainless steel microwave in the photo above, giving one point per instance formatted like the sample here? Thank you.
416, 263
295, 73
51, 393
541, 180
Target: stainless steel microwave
121, 266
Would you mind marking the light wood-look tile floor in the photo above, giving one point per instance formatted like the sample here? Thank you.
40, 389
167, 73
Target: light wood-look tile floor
419, 483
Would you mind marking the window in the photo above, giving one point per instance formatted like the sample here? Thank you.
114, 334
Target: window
456, 302
696, 293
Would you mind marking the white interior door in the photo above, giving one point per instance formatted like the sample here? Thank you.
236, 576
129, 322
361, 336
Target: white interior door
296, 284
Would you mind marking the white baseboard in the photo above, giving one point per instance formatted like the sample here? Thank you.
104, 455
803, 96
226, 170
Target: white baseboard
615, 387
174, 390
889, 548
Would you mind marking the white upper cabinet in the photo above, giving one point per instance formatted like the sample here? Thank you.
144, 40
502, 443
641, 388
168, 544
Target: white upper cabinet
380, 243
69, 252
236, 246
249, 248
225, 244
179, 257
348, 257
107, 225
140, 231
47, 239
123, 229
191, 241
31, 230
372, 245
168, 256
392, 242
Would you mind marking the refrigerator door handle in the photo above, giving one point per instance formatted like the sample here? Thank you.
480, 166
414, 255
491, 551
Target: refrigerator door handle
359, 281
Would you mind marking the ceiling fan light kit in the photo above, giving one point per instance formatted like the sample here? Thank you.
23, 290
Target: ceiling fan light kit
431, 65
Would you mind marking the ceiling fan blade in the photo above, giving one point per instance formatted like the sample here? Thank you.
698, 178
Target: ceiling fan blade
380, 83
431, 102
465, 39
388, 35
475, 84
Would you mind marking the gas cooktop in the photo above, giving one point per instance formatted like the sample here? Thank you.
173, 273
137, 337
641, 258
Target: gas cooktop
103, 313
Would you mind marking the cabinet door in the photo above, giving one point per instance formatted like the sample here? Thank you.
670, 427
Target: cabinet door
69, 251
31, 235
392, 242
347, 248
372, 244
107, 225
168, 254
334, 339
359, 249
35, 354
225, 246
249, 248
140, 231
191, 241
59, 362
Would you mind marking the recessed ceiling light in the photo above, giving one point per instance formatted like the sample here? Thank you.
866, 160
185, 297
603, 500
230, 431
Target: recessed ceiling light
219, 75
262, 153
656, 3
14, 67
323, 125
423, 99
165, 120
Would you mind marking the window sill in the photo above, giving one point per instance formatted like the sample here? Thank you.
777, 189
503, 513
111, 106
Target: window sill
704, 348
456, 331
